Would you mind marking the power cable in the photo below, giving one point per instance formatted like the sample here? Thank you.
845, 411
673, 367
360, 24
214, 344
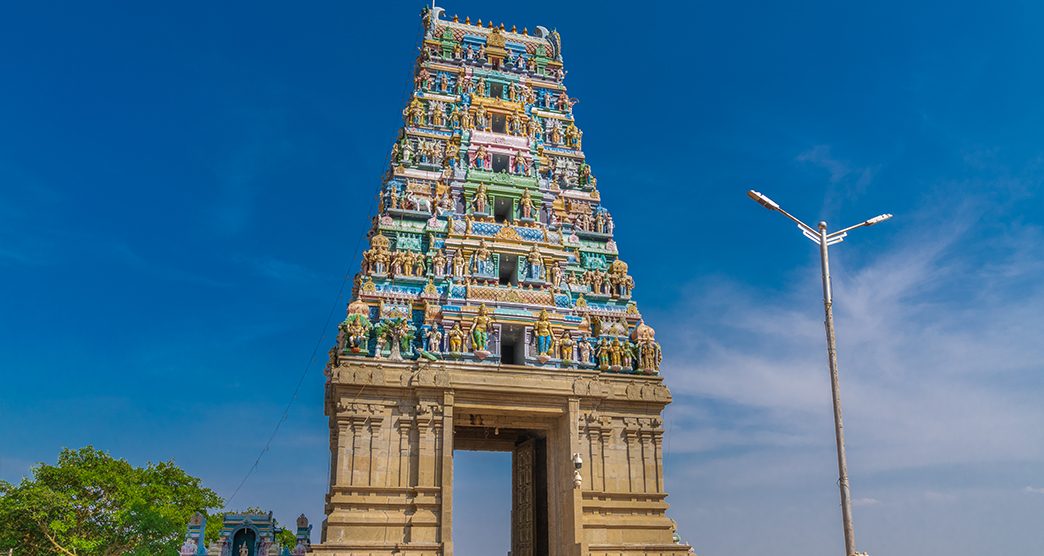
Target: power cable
320, 340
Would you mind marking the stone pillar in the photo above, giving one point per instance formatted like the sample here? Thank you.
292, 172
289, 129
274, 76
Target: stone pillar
446, 482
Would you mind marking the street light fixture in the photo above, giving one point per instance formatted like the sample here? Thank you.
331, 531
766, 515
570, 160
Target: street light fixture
820, 237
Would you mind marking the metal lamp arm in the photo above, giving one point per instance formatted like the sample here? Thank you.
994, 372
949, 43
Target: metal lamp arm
801, 225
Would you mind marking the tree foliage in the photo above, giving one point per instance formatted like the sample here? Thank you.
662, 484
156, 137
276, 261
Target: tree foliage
91, 504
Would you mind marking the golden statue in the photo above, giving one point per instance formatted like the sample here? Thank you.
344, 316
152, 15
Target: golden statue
456, 339
565, 346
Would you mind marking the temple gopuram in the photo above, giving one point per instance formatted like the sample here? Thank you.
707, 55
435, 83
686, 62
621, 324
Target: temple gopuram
493, 311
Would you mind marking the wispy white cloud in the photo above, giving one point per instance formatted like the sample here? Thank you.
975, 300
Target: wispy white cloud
941, 375
840, 171
938, 353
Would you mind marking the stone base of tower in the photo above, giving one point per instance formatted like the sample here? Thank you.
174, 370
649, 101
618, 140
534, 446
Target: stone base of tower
394, 427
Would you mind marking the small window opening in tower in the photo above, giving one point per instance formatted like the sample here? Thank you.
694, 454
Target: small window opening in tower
496, 90
502, 208
508, 270
512, 341
499, 123
500, 162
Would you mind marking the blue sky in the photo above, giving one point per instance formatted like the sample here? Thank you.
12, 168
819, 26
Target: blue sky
183, 187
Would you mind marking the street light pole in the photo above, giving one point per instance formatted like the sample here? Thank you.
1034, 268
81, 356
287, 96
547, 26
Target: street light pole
825, 240
835, 387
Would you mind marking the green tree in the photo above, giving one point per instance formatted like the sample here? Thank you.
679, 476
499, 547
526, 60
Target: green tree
91, 504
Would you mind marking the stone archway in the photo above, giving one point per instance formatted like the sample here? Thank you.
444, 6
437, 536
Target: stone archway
395, 425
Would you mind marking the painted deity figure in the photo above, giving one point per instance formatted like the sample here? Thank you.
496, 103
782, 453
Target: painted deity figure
444, 204
554, 132
481, 202
585, 174
515, 125
458, 264
483, 260
375, 259
356, 329
536, 264
456, 339
584, 347
615, 354
414, 112
526, 206
243, 550
554, 275
416, 264
438, 264
421, 79
649, 353
467, 120
480, 87
531, 128
544, 333
521, 164
566, 345
436, 114
404, 331
434, 339
563, 103
603, 354
627, 355
480, 329
480, 158
573, 135
382, 341
482, 119
405, 151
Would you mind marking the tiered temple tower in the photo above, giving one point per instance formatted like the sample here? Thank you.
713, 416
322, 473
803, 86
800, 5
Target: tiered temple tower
493, 312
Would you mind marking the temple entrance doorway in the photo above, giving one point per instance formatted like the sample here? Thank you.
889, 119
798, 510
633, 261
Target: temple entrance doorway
528, 482
244, 538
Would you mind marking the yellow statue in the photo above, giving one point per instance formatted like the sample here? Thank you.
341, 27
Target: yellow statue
456, 339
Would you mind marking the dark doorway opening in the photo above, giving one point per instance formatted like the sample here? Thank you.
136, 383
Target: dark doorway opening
244, 537
512, 343
508, 274
499, 123
500, 163
502, 209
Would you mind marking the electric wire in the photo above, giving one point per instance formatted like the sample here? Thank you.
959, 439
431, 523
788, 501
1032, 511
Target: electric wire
408, 85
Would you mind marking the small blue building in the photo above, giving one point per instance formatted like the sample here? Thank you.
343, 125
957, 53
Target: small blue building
244, 534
